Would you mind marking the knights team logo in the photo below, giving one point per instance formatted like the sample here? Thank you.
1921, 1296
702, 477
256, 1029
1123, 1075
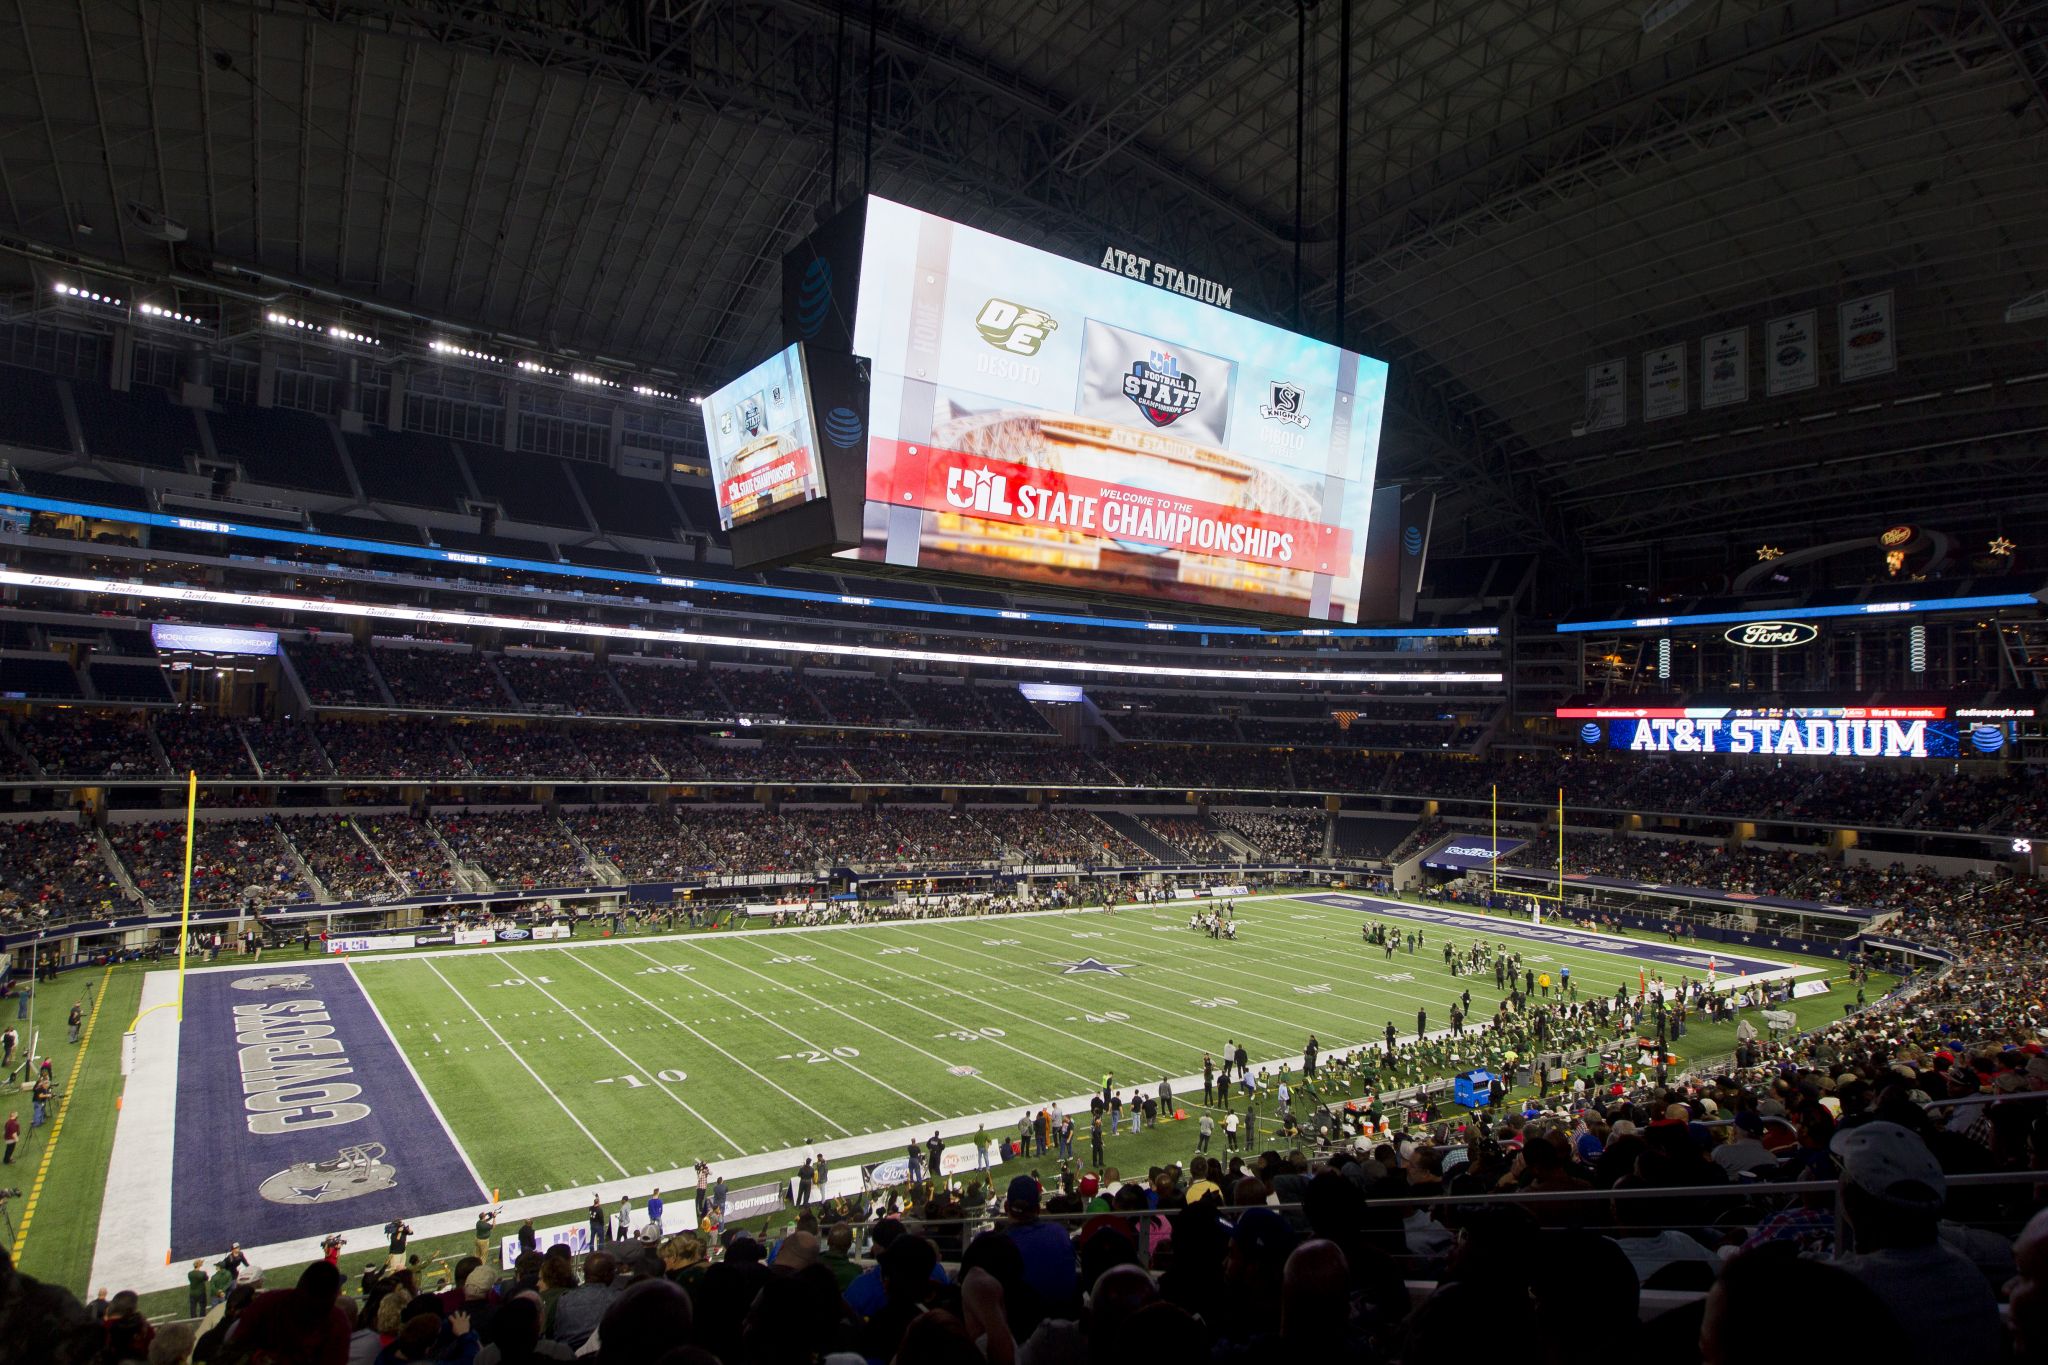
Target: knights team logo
1284, 404
1014, 328
1160, 390
279, 981
350, 1173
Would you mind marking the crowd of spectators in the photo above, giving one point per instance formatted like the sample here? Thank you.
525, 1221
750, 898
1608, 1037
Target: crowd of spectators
335, 675
858, 699
412, 853
770, 692
400, 749
571, 683
523, 849
1289, 835
443, 680
1195, 841
88, 744
234, 862
287, 750
679, 691
199, 742
53, 869
349, 868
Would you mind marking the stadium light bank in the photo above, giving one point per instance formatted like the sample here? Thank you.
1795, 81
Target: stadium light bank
278, 602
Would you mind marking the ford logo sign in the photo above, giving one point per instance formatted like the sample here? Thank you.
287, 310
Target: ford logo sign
1771, 634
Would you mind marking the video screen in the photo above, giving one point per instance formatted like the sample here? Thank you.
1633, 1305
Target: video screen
1039, 420
764, 454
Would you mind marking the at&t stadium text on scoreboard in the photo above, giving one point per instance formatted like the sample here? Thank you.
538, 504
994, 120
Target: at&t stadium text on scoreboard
1838, 731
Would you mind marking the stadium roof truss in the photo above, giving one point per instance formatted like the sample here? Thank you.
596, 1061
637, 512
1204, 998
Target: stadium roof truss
1533, 188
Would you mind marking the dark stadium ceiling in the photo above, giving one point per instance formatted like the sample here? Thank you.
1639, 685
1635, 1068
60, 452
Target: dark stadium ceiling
1533, 187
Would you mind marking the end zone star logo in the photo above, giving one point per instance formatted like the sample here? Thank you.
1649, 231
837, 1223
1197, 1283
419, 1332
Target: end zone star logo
1089, 964
1160, 390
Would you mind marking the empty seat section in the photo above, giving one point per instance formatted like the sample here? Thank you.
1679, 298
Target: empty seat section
48, 677
510, 547
533, 488
30, 412
627, 507
597, 557
73, 488
139, 427
280, 447
363, 528
128, 681
408, 467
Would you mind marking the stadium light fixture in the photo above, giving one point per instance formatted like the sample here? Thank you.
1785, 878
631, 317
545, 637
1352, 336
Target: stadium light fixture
341, 333
589, 380
373, 611
83, 295
450, 349
168, 315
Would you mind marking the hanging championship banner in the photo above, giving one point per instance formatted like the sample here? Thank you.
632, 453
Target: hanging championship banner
1868, 342
1724, 368
1791, 361
1606, 395
1664, 392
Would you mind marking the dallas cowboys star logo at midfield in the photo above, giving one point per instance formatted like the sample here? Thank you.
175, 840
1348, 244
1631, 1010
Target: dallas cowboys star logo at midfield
1089, 964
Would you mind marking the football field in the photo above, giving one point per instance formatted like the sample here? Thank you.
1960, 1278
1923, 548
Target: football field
306, 1096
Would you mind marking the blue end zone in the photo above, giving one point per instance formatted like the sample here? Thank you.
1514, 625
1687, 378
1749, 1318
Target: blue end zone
1492, 926
297, 1115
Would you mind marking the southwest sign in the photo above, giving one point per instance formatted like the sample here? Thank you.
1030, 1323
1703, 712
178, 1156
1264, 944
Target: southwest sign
1771, 634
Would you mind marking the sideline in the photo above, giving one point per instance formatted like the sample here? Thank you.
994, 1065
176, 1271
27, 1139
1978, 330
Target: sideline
35, 1189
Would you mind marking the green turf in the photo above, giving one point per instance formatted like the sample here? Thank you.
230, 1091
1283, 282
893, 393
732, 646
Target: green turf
783, 1040
556, 1067
57, 1245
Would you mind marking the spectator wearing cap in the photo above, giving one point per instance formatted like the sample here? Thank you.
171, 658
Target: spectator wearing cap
1744, 1151
1048, 1252
1888, 1221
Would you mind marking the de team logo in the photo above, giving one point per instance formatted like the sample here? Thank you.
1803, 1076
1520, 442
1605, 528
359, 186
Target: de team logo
1013, 327
1160, 390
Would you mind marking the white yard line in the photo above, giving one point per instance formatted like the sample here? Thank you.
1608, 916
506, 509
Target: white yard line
483, 1190
692, 1031
653, 1074
514, 1053
766, 1019
951, 1024
859, 1022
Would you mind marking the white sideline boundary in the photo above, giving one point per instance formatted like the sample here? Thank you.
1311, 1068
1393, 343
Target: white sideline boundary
135, 1219
135, 1211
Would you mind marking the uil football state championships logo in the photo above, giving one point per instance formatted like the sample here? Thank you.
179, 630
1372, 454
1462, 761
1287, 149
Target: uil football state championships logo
1160, 390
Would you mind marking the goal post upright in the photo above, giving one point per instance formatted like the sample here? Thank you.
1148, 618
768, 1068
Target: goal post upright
184, 921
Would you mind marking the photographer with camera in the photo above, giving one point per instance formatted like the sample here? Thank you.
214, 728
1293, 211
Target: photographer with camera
330, 1248
399, 1232
485, 1221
